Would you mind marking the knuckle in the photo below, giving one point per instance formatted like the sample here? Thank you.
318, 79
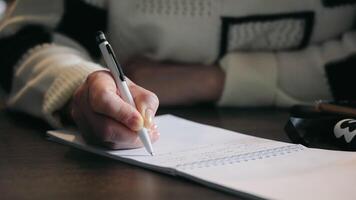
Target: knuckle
150, 98
134, 121
126, 114
99, 99
133, 117
93, 76
154, 99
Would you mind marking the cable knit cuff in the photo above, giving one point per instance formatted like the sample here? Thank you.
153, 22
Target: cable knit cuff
251, 79
63, 87
45, 79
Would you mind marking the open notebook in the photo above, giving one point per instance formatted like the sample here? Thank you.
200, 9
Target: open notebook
237, 163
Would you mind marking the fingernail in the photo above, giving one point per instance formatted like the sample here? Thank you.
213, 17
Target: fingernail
135, 123
148, 118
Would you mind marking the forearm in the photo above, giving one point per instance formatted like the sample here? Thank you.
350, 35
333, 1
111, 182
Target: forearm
177, 83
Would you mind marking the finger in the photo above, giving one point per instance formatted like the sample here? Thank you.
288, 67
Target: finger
100, 130
102, 76
154, 133
106, 131
134, 142
84, 127
111, 132
146, 102
103, 99
78, 114
131, 142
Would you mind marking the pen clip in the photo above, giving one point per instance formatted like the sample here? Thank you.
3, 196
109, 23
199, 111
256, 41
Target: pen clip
110, 50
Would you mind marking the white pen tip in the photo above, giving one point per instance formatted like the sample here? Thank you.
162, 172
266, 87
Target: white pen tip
152, 154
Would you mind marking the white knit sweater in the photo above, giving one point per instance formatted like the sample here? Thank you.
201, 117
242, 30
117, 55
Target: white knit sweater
46, 78
259, 68
250, 39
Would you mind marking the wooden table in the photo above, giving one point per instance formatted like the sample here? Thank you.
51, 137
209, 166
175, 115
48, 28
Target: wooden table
33, 168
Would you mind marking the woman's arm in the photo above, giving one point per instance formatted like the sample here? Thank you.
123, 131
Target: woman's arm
57, 74
178, 84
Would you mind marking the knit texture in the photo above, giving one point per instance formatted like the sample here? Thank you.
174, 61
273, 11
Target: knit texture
46, 78
251, 79
191, 8
63, 87
190, 31
282, 34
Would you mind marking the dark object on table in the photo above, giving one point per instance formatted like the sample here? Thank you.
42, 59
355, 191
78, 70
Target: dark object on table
329, 125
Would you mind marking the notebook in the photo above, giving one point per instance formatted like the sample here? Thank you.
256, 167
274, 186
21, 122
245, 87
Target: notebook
237, 163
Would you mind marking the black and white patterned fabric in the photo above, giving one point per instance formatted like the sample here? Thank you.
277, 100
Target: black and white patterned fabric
334, 3
266, 32
15, 46
72, 24
89, 20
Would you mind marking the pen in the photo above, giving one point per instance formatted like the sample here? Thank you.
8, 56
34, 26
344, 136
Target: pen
335, 109
119, 77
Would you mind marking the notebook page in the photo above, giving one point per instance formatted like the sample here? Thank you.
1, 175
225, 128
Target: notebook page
307, 174
237, 162
185, 144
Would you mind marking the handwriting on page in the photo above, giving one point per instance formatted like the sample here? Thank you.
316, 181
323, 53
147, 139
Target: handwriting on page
263, 154
222, 154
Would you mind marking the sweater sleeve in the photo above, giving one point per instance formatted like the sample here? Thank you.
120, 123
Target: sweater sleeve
322, 71
45, 79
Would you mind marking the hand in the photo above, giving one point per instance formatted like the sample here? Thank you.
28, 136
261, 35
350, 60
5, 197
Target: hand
105, 119
178, 84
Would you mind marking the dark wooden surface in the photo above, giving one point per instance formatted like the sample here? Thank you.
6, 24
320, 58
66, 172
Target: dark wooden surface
33, 168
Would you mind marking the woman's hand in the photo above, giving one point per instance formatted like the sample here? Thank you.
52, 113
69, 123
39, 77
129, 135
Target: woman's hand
177, 84
105, 119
